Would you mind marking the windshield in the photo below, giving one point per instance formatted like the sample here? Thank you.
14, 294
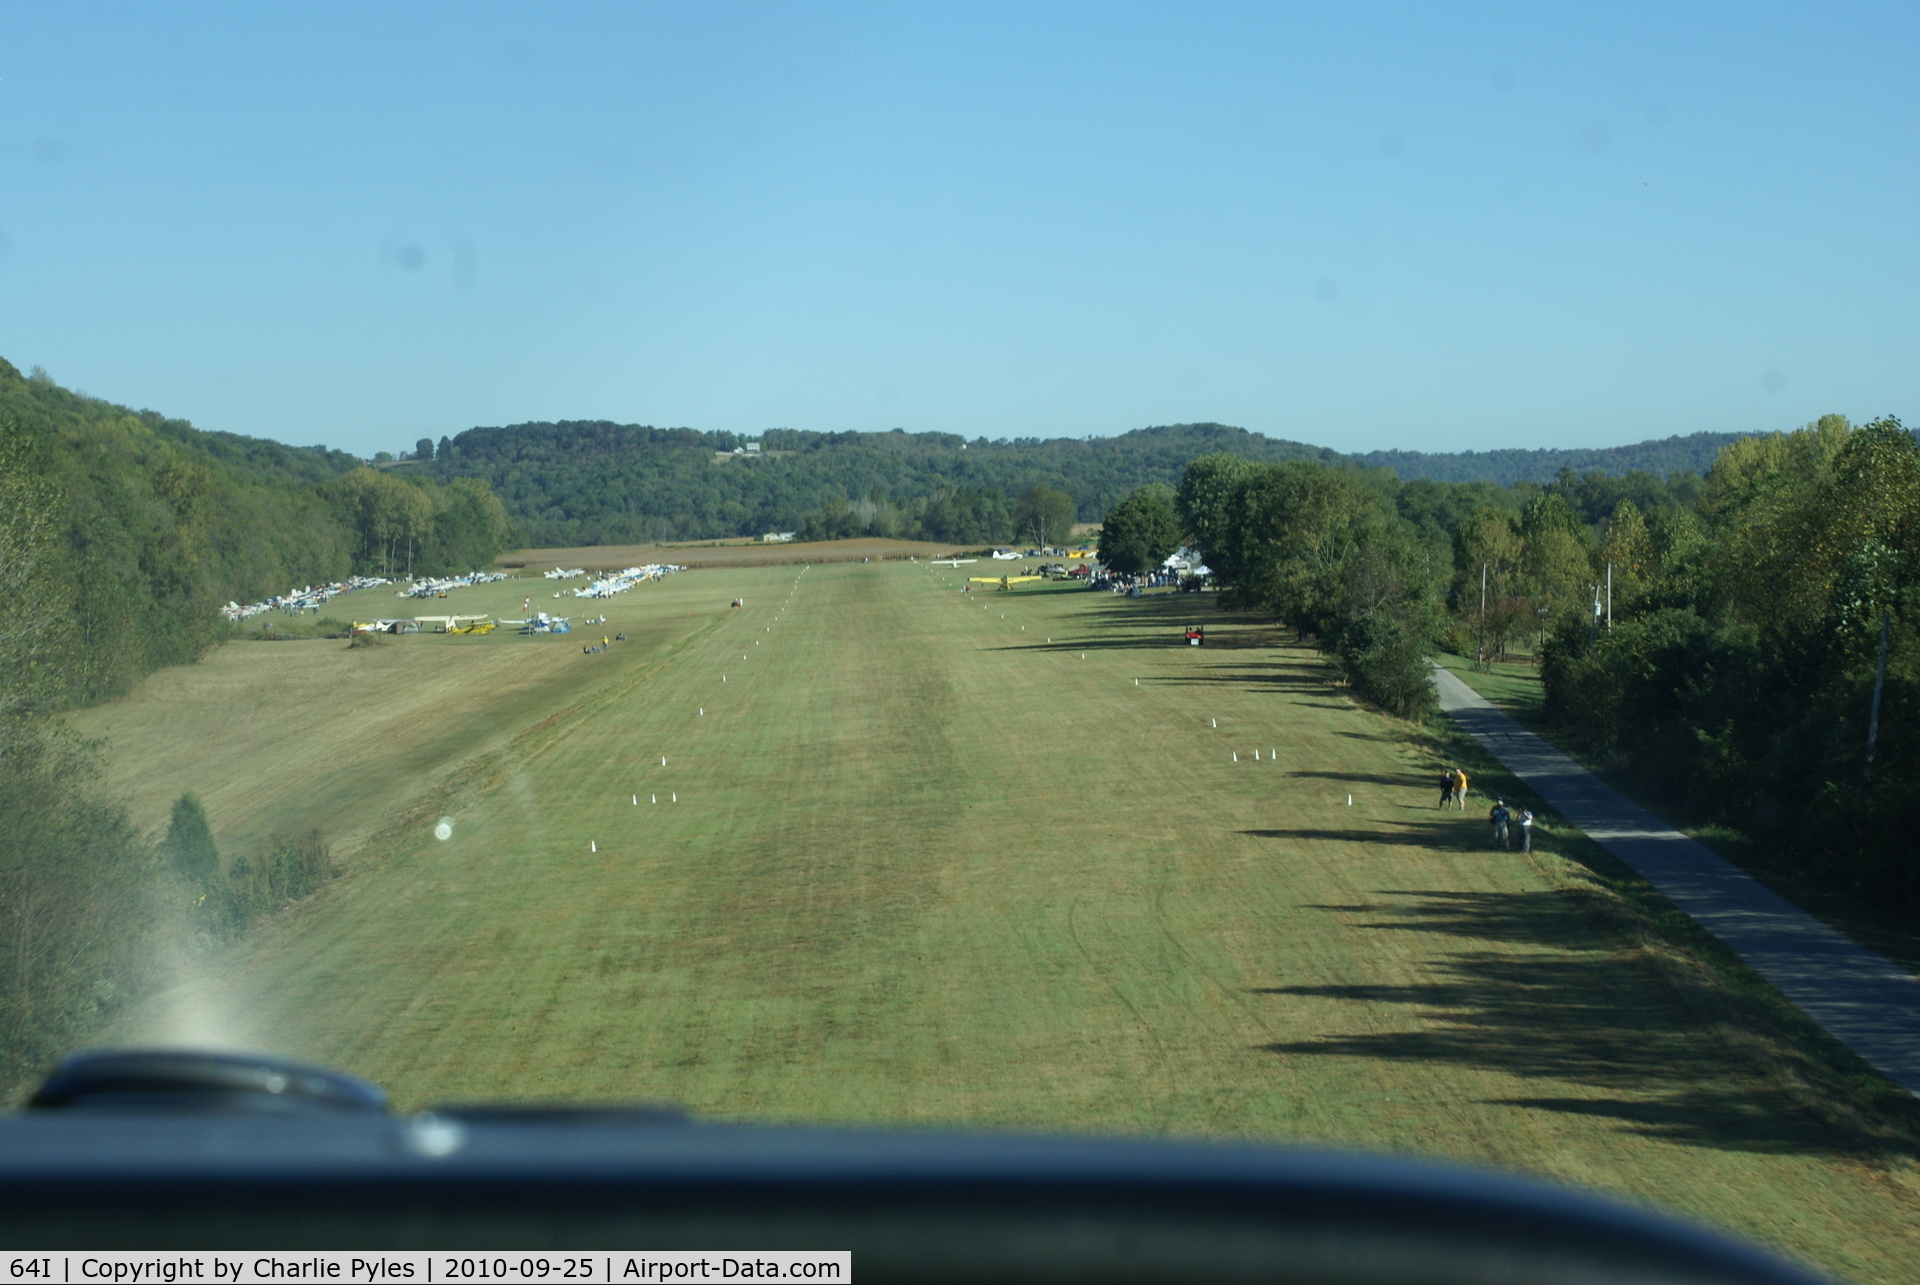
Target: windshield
980, 566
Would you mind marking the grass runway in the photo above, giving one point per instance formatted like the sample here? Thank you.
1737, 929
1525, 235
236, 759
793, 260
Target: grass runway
939, 858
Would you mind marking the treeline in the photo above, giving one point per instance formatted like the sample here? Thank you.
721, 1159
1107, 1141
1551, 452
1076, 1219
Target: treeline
157, 524
1379, 569
1039, 515
603, 483
1748, 606
1693, 453
89, 910
1738, 677
1325, 552
76, 901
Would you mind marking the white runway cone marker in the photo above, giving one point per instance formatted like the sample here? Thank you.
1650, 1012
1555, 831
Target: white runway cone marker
674, 798
1214, 721
592, 846
653, 798
663, 760
703, 711
1236, 756
1256, 756
1349, 800
636, 800
1136, 682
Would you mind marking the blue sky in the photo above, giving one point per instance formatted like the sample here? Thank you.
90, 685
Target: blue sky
1366, 227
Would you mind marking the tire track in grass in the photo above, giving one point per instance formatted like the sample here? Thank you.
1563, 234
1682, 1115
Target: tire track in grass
1162, 1056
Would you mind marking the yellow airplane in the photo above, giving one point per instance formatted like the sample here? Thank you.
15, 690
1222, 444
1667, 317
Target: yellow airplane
1005, 582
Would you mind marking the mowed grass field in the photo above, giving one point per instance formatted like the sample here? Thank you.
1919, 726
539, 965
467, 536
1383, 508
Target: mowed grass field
984, 859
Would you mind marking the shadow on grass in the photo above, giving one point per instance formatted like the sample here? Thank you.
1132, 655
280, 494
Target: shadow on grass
1412, 834
1373, 778
1132, 642
1604, 1036
1277, 677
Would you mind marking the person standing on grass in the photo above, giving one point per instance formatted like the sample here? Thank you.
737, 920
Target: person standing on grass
1526, 830
1499, 816
1460, 788
1446, 787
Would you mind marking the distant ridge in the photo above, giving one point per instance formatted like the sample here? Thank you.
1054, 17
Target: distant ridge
597, 482
1693, 453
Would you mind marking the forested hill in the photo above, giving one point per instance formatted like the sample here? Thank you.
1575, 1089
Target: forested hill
602, 483
1693, 453
138, 527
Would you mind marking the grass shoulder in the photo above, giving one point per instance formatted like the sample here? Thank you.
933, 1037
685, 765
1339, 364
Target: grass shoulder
1514, 686
1805, 1070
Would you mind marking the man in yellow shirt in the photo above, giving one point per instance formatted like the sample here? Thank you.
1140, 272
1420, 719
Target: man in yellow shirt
1460, 787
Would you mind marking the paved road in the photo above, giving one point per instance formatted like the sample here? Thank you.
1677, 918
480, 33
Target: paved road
1866, 1002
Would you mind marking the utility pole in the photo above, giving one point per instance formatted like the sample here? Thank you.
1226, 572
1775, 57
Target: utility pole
1879, 681
1593, 619
1481, 646
1609, 597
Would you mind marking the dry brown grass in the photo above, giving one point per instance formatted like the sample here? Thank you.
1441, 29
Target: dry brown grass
721, 553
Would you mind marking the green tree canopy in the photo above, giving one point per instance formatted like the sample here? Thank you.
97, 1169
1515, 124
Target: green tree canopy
1556, 557
1320, 549
36, 599
1627, 547
1140, 531
1740, 677
1203, 504
189, 846
1043, 515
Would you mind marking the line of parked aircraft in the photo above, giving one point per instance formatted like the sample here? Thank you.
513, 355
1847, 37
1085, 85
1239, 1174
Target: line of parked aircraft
439, 588
310, 598
621, 581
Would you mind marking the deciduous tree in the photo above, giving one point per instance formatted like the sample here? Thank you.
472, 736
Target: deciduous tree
1141, 531
1043, 515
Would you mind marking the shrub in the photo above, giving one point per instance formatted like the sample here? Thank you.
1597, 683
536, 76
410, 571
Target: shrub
292, 867
1385, 658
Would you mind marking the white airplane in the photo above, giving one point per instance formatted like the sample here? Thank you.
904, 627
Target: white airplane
1007, 557
951, 562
